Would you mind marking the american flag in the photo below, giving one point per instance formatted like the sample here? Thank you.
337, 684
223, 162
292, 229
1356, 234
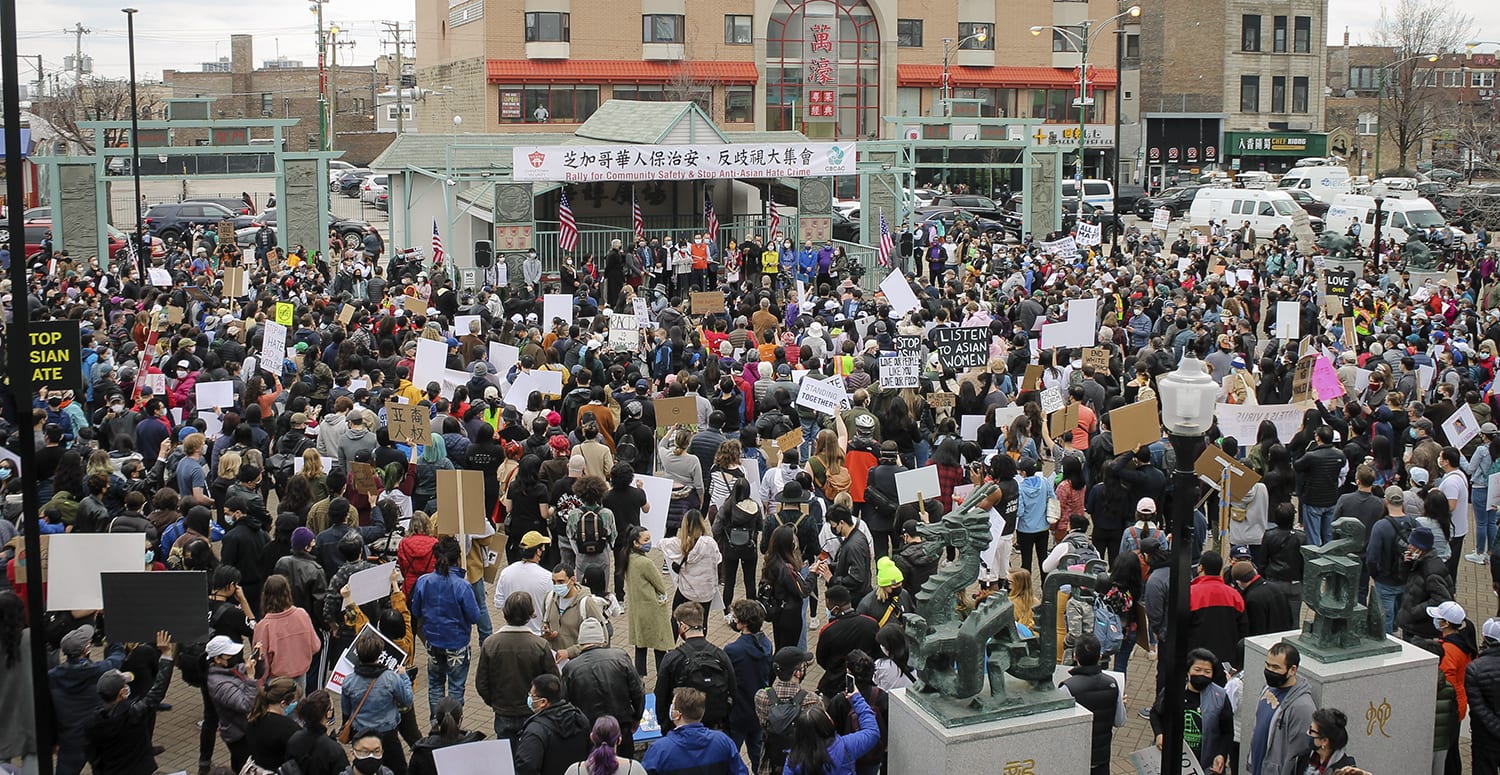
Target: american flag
437, 244
567, 229
886, 245
636, 219
775, 221
710, 216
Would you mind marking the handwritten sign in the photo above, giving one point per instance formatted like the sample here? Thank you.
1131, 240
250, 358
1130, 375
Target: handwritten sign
792, 439
961, 348
941, 400
826, 396
1097, 358
408, 423
1325, 380
285, 313
902, 368
707, 302
624, 333
1302, 378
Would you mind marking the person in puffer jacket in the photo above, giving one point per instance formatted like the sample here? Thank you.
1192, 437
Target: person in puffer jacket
232, 691
555, 736
816, 750
1482, 689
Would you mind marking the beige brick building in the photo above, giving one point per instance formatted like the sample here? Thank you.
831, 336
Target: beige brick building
828, 68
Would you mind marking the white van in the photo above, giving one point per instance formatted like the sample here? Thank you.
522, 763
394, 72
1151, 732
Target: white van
1398, 211
1099, 193
1323, 182
1265, 210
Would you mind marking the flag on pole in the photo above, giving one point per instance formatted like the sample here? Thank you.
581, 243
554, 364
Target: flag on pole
567, 229
775, 222
886, 245
711, 217
437, 244
636, 219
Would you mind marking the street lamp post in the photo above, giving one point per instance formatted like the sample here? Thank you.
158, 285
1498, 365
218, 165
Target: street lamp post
1080, 43
323, 119
1380, 99
949, 47
142, 244
1187, 402
1376, 240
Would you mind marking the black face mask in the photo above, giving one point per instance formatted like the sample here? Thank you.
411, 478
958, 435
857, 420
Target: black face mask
1277, 680
1200, 682
368, 766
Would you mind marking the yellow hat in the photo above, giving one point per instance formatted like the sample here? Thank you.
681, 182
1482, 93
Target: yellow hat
533, 539
886, 572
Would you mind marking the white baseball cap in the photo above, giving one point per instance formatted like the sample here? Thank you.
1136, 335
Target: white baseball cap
222, 645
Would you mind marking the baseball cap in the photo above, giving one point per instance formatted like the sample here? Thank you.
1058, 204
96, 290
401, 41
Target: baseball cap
113, 681
1240, 553
1492, 629
222, 645
1489, 429
1419, 475
533, 539
299, 419
1145, 506
1394, 494
790, 658
1448, 610
76, 643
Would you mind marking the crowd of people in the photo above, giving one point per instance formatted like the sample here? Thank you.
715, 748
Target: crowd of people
809, 553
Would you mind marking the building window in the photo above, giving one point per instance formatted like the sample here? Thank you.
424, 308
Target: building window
1250, 32
739, 104
1278, 35
992, 102
1482, 79
1065, 39
909, 33
640, 93
661, 28
1133, 45
1302, 35
1056, 105
737, 30
968, 33
1363, 78
405, 112
541, 104
1365, 124
547, 27
1249, 94
1453, 79
1299, 94
267, 103
1278, 94
842, 75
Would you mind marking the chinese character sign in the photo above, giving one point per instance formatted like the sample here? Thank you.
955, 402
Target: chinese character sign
820, 77
594, 163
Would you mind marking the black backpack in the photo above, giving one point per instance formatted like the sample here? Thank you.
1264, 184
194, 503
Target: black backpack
781, 723
591, 539
765, 594
703, 671
192, 657
1403, 528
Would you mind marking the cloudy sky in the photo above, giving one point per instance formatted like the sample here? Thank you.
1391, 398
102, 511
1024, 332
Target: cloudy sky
179, 34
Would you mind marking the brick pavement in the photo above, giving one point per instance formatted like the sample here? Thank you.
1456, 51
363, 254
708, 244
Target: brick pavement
177, 729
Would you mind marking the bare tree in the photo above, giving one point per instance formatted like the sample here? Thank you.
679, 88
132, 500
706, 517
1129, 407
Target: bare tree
685, 88
1413, 29
1475, 133
95, 99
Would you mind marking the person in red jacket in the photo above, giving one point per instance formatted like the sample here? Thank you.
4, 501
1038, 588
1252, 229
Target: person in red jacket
414, 554
1217, 621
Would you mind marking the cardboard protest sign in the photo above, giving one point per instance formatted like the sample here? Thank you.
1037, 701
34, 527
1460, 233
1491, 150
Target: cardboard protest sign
392, 657
902, 368
1062, 422
430, 363
792, 439
22, 564
826, 396
408, 423
921, 482
214, 395
1089, 234
1241, 422
941, 400
365, 478
414, 305
707, 302
555, 307
1351, 334
1148, 762
1081, 329
346, 314
175, 316
1161, 218
1135, 424
1032, 379
140, 603
968, 426
1302, 378
1212, 464
460, 503
1097, 358
160, 278
75, 563
370, 584
682, 410
1052, 400
224, 230
624, 334
286, 313
961, 348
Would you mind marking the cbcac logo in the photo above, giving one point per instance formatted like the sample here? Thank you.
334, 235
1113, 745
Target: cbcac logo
536, 158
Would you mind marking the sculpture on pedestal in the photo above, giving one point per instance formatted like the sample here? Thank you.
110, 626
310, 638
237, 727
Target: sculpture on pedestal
1342, 627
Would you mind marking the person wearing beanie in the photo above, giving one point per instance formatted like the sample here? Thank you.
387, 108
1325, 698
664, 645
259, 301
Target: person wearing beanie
1482, 691
889, 600
74, 693
601, 681
117, 735
1427, 584
308, 586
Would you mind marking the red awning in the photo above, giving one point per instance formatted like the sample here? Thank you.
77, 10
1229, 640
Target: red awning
616, 71
1001, 77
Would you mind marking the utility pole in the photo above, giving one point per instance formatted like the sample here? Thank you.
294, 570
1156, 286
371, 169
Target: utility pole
395, 29
78, 32
334, 44
323, 122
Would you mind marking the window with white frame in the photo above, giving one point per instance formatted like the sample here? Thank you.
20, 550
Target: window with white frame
1453, 79
390, 112
1365, 124
1482, 79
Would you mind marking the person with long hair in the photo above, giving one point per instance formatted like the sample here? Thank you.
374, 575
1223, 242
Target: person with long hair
17, 721
284, 634
686, 472
434, 458
447, 729
818, 750
1266, 436
443, 604
830, 475
269, 724
1070, 494
528, 511
737, 531
1480, 465
693, 557
1023, 597
312, 748
646, 610
893, 668
414, 553
603, 760
784, 568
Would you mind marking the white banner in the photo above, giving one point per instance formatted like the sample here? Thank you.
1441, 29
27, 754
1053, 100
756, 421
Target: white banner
1243, 422
823, 395
272, 346
1089, 234
1081, 329
593, 163
1064, 248
1161, 219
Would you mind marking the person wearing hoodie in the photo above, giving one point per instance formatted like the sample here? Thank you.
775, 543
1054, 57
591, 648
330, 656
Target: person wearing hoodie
1427, 583
232, 691
117, 735
74, 694
750, 654
242, 546
1283, 714
443, 604
1456, 646
915, 563
555, 736
1031, 527
355, 439
690, 748
447, 730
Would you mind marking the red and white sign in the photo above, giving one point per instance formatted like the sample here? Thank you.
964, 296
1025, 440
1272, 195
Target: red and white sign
1210, 153
1155, 153
1172, 153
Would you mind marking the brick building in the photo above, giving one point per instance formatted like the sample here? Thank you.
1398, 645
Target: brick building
1231, 83
828, 69
245, 91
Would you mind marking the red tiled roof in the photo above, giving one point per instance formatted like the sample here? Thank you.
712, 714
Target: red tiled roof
1000, 77
616, 71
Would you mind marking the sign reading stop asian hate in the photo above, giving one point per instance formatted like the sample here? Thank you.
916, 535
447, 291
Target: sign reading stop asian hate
54, 356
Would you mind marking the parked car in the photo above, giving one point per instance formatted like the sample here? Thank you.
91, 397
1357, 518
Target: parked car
1310, 203
924, 197
171, 221
38, 214
335, 169
383, 202
1127, 195
1178, 199
350, 181
979, 205
844, 228
37, 229
347, 226
230, 203
1431, 188
948, 217
373, 186
1442, 175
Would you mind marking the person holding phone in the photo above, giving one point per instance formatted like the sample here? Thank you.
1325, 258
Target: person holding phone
231, 688
817, 748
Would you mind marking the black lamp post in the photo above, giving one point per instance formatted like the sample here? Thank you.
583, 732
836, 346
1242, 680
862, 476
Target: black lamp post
141, 242
1187, 397
1379, 228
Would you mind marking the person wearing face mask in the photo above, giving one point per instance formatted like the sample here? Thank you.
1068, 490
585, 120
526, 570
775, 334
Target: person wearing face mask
117, 736
555, 736
1329, 734
1283, 715
231, 688
270, 725
369, 756
371, 702
1208, 720
688, 747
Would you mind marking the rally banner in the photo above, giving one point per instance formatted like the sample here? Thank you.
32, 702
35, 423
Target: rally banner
594, 163
961, 348
903, 367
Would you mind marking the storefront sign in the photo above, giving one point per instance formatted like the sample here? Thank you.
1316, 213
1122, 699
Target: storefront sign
510, 104
1276, 143
820, 76
593, 163
1066, 136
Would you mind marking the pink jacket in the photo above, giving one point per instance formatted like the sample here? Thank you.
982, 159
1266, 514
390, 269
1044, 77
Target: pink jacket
287, 643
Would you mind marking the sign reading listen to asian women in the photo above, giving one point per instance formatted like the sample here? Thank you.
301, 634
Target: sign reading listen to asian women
590, 163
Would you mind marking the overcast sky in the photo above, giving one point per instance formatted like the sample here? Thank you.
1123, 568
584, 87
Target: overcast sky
179, 34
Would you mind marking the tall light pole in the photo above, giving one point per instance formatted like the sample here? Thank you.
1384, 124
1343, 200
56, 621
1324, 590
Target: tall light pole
1080, 43
316, 6
1380, 99
332, 90
1187, 404
141, 245
949, 47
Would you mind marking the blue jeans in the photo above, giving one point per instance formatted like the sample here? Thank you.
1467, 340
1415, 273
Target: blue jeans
486, 627
1318, 522
1390, 597
447, 673
1484, 521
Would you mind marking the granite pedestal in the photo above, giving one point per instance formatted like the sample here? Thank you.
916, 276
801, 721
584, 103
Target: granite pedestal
1390, 700
1052, 743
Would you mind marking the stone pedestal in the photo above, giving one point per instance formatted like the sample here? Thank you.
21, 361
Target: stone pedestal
1051, 743
1389, 698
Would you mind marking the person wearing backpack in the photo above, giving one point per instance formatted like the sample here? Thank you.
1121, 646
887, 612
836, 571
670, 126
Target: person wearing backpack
737, 532
75, 695
1383, 553
564, 610
1143, 528
778, 706
591, 527
1075, 544
696, 664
